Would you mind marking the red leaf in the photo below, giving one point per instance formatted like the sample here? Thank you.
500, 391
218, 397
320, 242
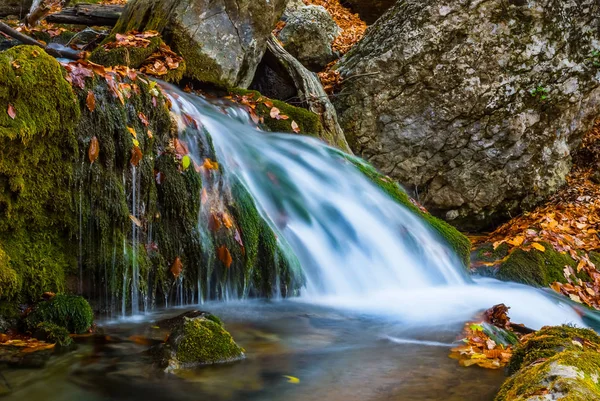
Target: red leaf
11, 111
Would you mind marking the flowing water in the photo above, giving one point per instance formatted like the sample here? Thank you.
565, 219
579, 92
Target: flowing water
383, 302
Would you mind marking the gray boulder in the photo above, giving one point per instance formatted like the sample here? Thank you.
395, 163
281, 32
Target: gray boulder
308, 34
475, 106
222, 41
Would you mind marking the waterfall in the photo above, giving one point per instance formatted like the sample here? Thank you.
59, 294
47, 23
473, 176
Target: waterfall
357, 247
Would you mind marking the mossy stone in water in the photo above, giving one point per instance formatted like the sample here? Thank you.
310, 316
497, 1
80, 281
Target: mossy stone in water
53, 333
69, 311
556, 363
200, 340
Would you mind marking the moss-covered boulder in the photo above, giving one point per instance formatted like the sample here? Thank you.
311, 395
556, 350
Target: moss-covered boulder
532, 266
37, 155
226, 59
555, 363
70, 312
198, 340
53, 334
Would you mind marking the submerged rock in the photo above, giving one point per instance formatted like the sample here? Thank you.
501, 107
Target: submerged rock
475, 107
308, 35
197, 338
555, 363
221, 41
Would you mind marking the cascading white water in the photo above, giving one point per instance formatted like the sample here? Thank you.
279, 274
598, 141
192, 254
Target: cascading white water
358, 248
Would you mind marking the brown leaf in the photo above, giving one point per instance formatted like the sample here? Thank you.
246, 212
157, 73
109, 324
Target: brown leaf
224, 256
94, 150
136, 156
295, 127
177, 267
11, 111
135, 220
90, 101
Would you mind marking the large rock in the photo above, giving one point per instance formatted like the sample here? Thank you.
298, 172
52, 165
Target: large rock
222, 41
369, 10
308, 34
474, 106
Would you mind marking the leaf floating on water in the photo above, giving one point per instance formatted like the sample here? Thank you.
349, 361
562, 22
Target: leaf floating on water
90, 101
135, 220
11, 111
94, 149
224, 256
136, 156
177, 267
292, 379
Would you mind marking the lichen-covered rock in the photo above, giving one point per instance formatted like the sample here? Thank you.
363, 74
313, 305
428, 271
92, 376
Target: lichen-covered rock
198, 338
71, 312
369, 10
308, 34
555, 363
222, 41
475, 105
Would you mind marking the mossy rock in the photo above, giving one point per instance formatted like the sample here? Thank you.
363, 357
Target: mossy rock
71, 312
531, 267
457, 241
308, 122
53, 334
557, 363
200, 340
10, 283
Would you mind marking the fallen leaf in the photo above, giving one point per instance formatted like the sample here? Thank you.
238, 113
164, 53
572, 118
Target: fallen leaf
227, 222
136, 156
135, 220
185, 162
292, 379
538, 246
177, 267
11, 111
94, 149
224, 256
274, 112
132, 131
143, 119
295, 127
90, 101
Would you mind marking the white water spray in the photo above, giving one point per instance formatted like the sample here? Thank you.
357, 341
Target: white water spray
358, 248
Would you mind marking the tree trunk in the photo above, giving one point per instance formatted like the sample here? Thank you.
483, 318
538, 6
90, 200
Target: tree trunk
88, 14
311, 92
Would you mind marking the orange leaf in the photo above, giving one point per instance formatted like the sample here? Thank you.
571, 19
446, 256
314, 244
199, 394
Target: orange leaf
227, 222
136, 156
224, 256
210, 165
295, 127
93, 150
132, 132
177, 267
90, 101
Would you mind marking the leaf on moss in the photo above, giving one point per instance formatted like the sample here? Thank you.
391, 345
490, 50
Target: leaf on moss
538, 246
177, 267
90, 101
11, 111
224, 256
136, 156
295, 127
94, 150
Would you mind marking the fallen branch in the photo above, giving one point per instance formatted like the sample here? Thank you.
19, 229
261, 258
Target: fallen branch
310, 91
88, 14
54, 50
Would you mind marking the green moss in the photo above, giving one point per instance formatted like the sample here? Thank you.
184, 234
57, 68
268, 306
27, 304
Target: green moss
308, 122
132, 57
534, 267
458, 242
10, 283
69, 311
54, 334
204, 341
538, 366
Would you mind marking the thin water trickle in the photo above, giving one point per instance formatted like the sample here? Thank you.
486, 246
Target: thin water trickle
357, 247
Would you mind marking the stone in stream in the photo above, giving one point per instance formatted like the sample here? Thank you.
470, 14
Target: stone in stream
308, 35
555, 363
196, 338
474, 106
222, 41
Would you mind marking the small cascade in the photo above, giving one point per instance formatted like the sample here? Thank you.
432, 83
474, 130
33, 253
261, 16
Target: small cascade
135, 270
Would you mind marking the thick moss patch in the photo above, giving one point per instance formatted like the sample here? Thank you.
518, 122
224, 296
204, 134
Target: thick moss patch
200, 341
68, 311
308, 122
562, 362
53, 333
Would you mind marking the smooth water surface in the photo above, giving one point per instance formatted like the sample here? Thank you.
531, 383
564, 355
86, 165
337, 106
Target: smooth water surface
336, 355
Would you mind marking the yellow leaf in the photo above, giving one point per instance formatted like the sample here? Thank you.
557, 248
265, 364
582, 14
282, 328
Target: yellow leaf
516, 241
538, 246
575, 298
132, 131
292, 379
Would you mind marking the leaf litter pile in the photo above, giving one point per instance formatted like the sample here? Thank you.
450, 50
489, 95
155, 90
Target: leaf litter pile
569, 222
489, 342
